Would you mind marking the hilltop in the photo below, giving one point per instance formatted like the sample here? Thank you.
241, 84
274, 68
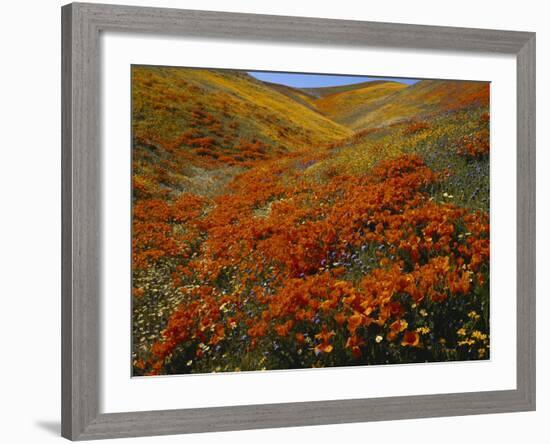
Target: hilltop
425, 98
296, 94
349, 105
380, 103
188, 122
323, 91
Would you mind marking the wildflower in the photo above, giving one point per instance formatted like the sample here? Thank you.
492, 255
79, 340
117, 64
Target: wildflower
139, 363
423, 330
473, 315
354, 343
283, 329
399, 325
476, 334
324, 336
354, 322
323, 348
396, 309
271, 264
411, 339
340, 318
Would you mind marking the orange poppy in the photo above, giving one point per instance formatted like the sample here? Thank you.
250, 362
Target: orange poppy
354, 343
399, 325
354, 322
283, 329
323, 348
411, 339
340, 318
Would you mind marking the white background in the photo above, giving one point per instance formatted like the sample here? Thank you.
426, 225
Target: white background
30, 222
120, 393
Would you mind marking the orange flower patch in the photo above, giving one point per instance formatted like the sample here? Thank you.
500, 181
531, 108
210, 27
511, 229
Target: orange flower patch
410, 339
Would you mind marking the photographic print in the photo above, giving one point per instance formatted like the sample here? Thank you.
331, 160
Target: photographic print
298, 221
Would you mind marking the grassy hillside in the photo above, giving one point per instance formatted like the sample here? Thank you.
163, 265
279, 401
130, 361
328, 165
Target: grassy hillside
296, 94
423, 99
188, 122
324, 91
349, 106
453, 143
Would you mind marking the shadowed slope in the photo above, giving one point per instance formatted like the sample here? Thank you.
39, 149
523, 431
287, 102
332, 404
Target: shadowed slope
295, 94
349, 106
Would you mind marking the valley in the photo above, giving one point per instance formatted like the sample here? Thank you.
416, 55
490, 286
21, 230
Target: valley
278, 227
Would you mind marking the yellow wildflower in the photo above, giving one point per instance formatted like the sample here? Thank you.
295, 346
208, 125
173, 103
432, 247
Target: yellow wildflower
476, 334
473, 315
423, 330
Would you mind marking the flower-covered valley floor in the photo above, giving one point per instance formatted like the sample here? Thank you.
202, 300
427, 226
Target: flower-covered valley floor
369, 249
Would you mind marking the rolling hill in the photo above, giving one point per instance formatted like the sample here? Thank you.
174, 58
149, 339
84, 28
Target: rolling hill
420, 100
188, 122
296, 94
195, 129
324, 91
349, 105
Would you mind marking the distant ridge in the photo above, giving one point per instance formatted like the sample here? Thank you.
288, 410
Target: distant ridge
422, 99
348, 105
377, 103
297, 94
328, 90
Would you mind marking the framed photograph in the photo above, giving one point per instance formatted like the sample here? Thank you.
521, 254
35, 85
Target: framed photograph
278, 221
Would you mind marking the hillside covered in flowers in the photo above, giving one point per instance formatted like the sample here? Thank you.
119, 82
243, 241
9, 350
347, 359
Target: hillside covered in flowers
282, 228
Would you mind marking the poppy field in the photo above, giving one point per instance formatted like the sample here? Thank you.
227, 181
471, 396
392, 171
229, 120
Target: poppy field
281, 227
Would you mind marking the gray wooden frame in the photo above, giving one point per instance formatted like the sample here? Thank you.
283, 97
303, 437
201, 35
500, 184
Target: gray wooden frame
81, 232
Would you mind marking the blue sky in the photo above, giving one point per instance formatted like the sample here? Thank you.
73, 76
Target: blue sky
318, 80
